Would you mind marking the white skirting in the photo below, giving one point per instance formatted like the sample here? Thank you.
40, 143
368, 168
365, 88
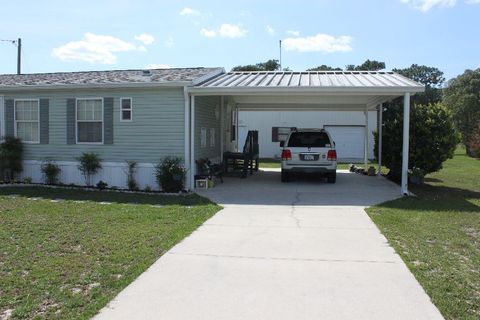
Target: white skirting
113, 173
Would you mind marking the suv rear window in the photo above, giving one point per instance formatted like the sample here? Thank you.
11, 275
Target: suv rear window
308, 140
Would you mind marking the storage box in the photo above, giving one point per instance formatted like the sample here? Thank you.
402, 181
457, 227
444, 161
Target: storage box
201, 184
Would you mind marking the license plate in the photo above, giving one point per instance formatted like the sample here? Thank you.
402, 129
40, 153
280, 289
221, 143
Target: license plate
308, 157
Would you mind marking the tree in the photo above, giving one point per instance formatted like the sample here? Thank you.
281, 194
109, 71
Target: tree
462, 96
432, 138
368, 65
432, 135
270, 65
324, 67
431, 77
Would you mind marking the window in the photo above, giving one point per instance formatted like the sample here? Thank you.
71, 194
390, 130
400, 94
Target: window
90, 120
309, 139
281, 133
27, 116
203, 137
125, 109
212, 137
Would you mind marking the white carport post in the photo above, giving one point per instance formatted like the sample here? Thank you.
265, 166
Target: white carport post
192, 142
380, 138
188, 182
406, 136
222, 127
365, 152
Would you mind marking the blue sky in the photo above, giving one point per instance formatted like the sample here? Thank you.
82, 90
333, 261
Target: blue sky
121, 34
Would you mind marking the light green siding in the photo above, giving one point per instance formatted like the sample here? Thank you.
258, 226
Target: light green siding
157, 129
205, 118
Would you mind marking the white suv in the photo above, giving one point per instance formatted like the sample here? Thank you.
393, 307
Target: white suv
310, 151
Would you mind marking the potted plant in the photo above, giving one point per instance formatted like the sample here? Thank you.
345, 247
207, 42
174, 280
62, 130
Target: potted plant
371, 171
416, 175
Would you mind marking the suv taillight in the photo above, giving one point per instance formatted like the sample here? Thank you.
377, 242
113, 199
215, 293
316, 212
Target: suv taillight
286, 155
332, 155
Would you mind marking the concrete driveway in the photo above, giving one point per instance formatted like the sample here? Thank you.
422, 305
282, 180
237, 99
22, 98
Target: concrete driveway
302, 250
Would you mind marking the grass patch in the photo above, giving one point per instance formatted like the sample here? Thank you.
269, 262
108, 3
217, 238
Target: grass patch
437, 234
65, 259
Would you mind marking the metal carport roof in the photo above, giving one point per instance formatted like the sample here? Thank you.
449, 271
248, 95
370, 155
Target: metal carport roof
354, 82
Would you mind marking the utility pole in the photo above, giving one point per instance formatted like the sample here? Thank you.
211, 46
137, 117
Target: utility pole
18, 43
280, 45
19, 56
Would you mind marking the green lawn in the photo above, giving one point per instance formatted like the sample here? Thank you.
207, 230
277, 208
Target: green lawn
65, 259
437, 234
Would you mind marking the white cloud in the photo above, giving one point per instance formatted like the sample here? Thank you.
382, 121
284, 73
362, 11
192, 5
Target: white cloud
145, 38
426, 5
472, 1
232, 31
189, 12
209, 33
158, 66
293, 33
319, 43
226, 30
169, 42
94, 48
270, 30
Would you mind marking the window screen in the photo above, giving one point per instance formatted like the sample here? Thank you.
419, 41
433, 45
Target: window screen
90, 121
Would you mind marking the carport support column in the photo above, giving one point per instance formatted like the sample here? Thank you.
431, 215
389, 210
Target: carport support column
365, 155
192, 142
380, 138
406, 137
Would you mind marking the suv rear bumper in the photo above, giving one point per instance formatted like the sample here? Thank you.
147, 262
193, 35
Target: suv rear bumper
324, 170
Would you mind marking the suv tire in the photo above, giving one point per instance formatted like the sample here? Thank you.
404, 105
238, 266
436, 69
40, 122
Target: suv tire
284, 176
332, 177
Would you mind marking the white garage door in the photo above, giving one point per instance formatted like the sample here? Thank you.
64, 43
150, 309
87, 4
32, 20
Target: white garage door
349, 141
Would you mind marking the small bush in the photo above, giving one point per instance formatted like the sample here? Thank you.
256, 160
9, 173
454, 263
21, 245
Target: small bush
89, 164
147, 189
27, 180
170, 174
102, 185
131, 171
432, 138
50, 171
11, 156
474, 142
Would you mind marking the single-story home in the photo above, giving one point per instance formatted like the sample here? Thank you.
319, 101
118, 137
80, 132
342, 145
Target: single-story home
192, 113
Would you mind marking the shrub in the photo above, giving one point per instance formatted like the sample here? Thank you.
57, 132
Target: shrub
432, 138
170, 174
89, 164
11, 156
102, 185
27, 180
147, 189
131, 171
50, 171
474, 142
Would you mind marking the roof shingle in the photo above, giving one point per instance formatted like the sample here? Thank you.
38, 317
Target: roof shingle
115, 77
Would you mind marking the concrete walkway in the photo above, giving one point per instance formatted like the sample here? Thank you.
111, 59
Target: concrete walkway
302, 250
